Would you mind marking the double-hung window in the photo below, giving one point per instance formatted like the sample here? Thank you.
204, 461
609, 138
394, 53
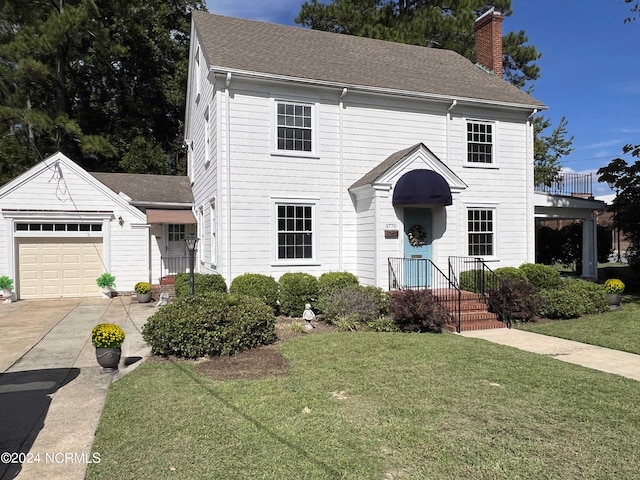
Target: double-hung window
480, 142
294, 124
295, 232
481, 231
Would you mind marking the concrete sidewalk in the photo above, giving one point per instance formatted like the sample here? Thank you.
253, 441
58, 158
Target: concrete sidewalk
52, 389
590, 356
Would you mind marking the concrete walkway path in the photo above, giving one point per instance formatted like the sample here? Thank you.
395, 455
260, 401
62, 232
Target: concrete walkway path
590, 356
52, 389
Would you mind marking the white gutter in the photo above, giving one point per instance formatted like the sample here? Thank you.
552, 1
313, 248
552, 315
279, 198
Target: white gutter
341, 182
371, 89
228, 139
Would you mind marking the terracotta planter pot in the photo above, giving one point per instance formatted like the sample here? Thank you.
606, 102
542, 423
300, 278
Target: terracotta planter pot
108, 357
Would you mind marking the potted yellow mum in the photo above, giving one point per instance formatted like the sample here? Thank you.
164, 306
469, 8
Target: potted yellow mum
108, 339
143, 292
614, 288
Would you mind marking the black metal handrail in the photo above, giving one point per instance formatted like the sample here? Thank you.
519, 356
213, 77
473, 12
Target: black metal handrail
472, 274
423, 274
568, 184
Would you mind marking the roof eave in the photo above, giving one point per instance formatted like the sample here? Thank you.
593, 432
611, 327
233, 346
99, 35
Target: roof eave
270, 77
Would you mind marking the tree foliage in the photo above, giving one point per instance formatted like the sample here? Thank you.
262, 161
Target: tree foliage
547, 150
88, 77
625, 179
634, 9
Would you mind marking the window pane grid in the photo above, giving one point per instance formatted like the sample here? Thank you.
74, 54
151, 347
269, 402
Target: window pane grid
479, 142
294, 127
480, 232
295, 236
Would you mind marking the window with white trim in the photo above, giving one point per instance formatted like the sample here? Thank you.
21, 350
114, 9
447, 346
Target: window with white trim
295, 222
294, 125
480, 142
176, 232
197, 73
480, 231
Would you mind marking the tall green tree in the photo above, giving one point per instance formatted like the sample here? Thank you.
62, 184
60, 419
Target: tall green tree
88, 77
548, 149
625, 179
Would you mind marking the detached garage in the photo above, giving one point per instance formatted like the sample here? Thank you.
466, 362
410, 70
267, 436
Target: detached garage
60, 228
59, 267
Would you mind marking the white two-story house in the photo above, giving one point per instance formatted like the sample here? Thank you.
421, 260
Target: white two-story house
311, 152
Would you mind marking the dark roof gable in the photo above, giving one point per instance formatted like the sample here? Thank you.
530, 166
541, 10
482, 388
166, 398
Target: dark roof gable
143, 188
256, 47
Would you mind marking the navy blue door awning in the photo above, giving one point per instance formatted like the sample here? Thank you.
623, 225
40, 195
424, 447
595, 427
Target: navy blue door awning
422, 186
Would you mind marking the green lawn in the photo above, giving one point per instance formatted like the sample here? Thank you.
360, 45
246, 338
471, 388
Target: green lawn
375, 406
618, 329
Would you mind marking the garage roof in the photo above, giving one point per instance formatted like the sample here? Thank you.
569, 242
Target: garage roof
146, 188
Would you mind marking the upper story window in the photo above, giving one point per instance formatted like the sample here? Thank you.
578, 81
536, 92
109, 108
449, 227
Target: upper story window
197, 73
207, 138
480, 142
294, 127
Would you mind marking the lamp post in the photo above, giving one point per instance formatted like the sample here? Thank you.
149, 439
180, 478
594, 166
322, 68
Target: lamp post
613, 186
192, 241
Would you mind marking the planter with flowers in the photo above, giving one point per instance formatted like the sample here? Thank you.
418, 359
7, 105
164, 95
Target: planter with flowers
143, 292
6, 284
614, 288
107, 283
108, 338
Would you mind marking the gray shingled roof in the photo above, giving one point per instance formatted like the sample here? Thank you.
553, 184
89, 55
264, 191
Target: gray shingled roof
385, 165
142, 188
245, 45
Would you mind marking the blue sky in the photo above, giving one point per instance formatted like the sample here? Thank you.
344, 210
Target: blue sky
590, 71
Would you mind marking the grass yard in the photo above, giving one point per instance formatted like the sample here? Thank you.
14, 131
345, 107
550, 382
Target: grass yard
374, 406
619, 329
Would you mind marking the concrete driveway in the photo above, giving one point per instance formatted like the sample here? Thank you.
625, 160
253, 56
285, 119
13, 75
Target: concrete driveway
51, 388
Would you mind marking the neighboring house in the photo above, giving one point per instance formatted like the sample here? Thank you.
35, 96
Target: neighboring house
61, 227
311, 152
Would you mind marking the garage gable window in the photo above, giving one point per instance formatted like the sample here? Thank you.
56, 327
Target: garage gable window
58, 227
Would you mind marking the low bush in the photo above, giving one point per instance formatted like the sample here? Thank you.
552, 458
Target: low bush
256, 285
209, 324
357, 303
202, 283
296, 290
471, 280
329, 282
542, 276
514, 298
383, 324
417, 311
509, 272
572, 299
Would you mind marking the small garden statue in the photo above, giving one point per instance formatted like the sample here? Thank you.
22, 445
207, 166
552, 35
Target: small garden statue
308, 315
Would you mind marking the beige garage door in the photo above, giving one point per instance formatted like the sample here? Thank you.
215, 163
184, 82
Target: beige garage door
56, 267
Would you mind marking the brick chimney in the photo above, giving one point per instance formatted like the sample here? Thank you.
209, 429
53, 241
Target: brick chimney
488, 35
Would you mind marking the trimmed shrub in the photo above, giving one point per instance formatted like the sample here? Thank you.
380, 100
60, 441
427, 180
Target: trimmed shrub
357, 303
330, 281
542, 276
417, 311
574, 298
471, 280
514, 298
297, 289
209, 324
257, 285
202, 283
509, 272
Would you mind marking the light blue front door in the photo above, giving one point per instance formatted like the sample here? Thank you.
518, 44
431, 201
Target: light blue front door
417, 246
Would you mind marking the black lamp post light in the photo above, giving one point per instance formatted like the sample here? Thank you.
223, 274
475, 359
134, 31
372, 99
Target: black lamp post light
615, 223
192, 242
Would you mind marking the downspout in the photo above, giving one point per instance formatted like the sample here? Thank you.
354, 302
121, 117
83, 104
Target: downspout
228, 139
448, 162
531, 187
341, 182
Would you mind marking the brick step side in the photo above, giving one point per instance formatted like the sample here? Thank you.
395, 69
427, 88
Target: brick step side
477, 325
